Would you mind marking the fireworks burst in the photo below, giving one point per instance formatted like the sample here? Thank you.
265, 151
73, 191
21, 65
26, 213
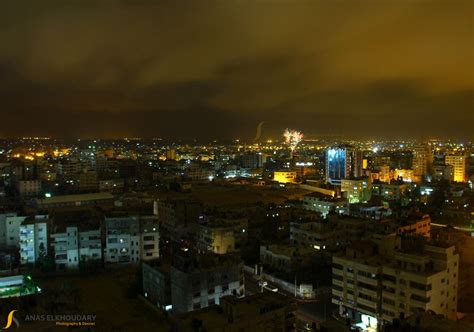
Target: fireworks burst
292, 138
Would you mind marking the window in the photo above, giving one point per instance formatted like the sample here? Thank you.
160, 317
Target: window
420, 298
388, 301
336, 266
389, 277
420, 286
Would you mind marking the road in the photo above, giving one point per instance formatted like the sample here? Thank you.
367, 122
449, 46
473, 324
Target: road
316, 311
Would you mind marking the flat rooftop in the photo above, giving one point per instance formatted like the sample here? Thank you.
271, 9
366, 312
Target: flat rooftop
74, 198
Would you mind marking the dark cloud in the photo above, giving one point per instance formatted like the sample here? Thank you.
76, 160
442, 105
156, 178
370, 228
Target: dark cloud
216, 68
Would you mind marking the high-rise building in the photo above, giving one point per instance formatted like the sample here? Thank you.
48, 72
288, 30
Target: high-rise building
422, 158
459, 166
376, 282
253, 160
171, 154
343, 163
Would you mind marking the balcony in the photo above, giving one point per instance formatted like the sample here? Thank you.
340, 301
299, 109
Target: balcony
369, 281
337, 271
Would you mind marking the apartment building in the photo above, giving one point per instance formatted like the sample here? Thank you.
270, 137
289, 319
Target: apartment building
285, 257
200, 280
260, 312
122, 238
222, 235
130, 239
72, 246
325, 204
33, 239
156, 276
356, 190
374, 282
149, 237
317, 235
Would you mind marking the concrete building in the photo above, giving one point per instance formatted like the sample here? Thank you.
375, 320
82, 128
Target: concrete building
443, 172
458, 162
68, 201
389, 191
325, 204
284, 176
385, 174
71, 246
156, 276
222, 235
464, 243
376, 282
285, 257
33, 239
88, 181
265, 312
3, 229
149, 238
356, 190
253, 160
122, 238
407, 175
28, 188
315, 235
12, 230
111, 185
200, 280
178, 216
130, 239
422, 158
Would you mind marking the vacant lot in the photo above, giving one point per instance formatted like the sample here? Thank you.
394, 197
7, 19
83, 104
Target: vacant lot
103, 295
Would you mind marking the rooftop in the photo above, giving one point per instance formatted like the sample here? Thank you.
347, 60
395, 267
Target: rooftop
75, 198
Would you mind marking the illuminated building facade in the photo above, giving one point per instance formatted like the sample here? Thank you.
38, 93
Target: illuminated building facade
459, 167
407, 175
384, 174
343, 163
284, 176
356, 190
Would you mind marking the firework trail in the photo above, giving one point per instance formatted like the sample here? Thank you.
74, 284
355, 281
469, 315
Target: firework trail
259, 131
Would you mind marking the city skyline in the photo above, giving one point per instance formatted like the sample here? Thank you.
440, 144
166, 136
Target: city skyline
215, 70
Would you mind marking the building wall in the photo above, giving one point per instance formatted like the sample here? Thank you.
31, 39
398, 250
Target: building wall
459, 165
199, 289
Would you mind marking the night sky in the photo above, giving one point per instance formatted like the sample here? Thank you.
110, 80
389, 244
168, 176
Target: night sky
215, 69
